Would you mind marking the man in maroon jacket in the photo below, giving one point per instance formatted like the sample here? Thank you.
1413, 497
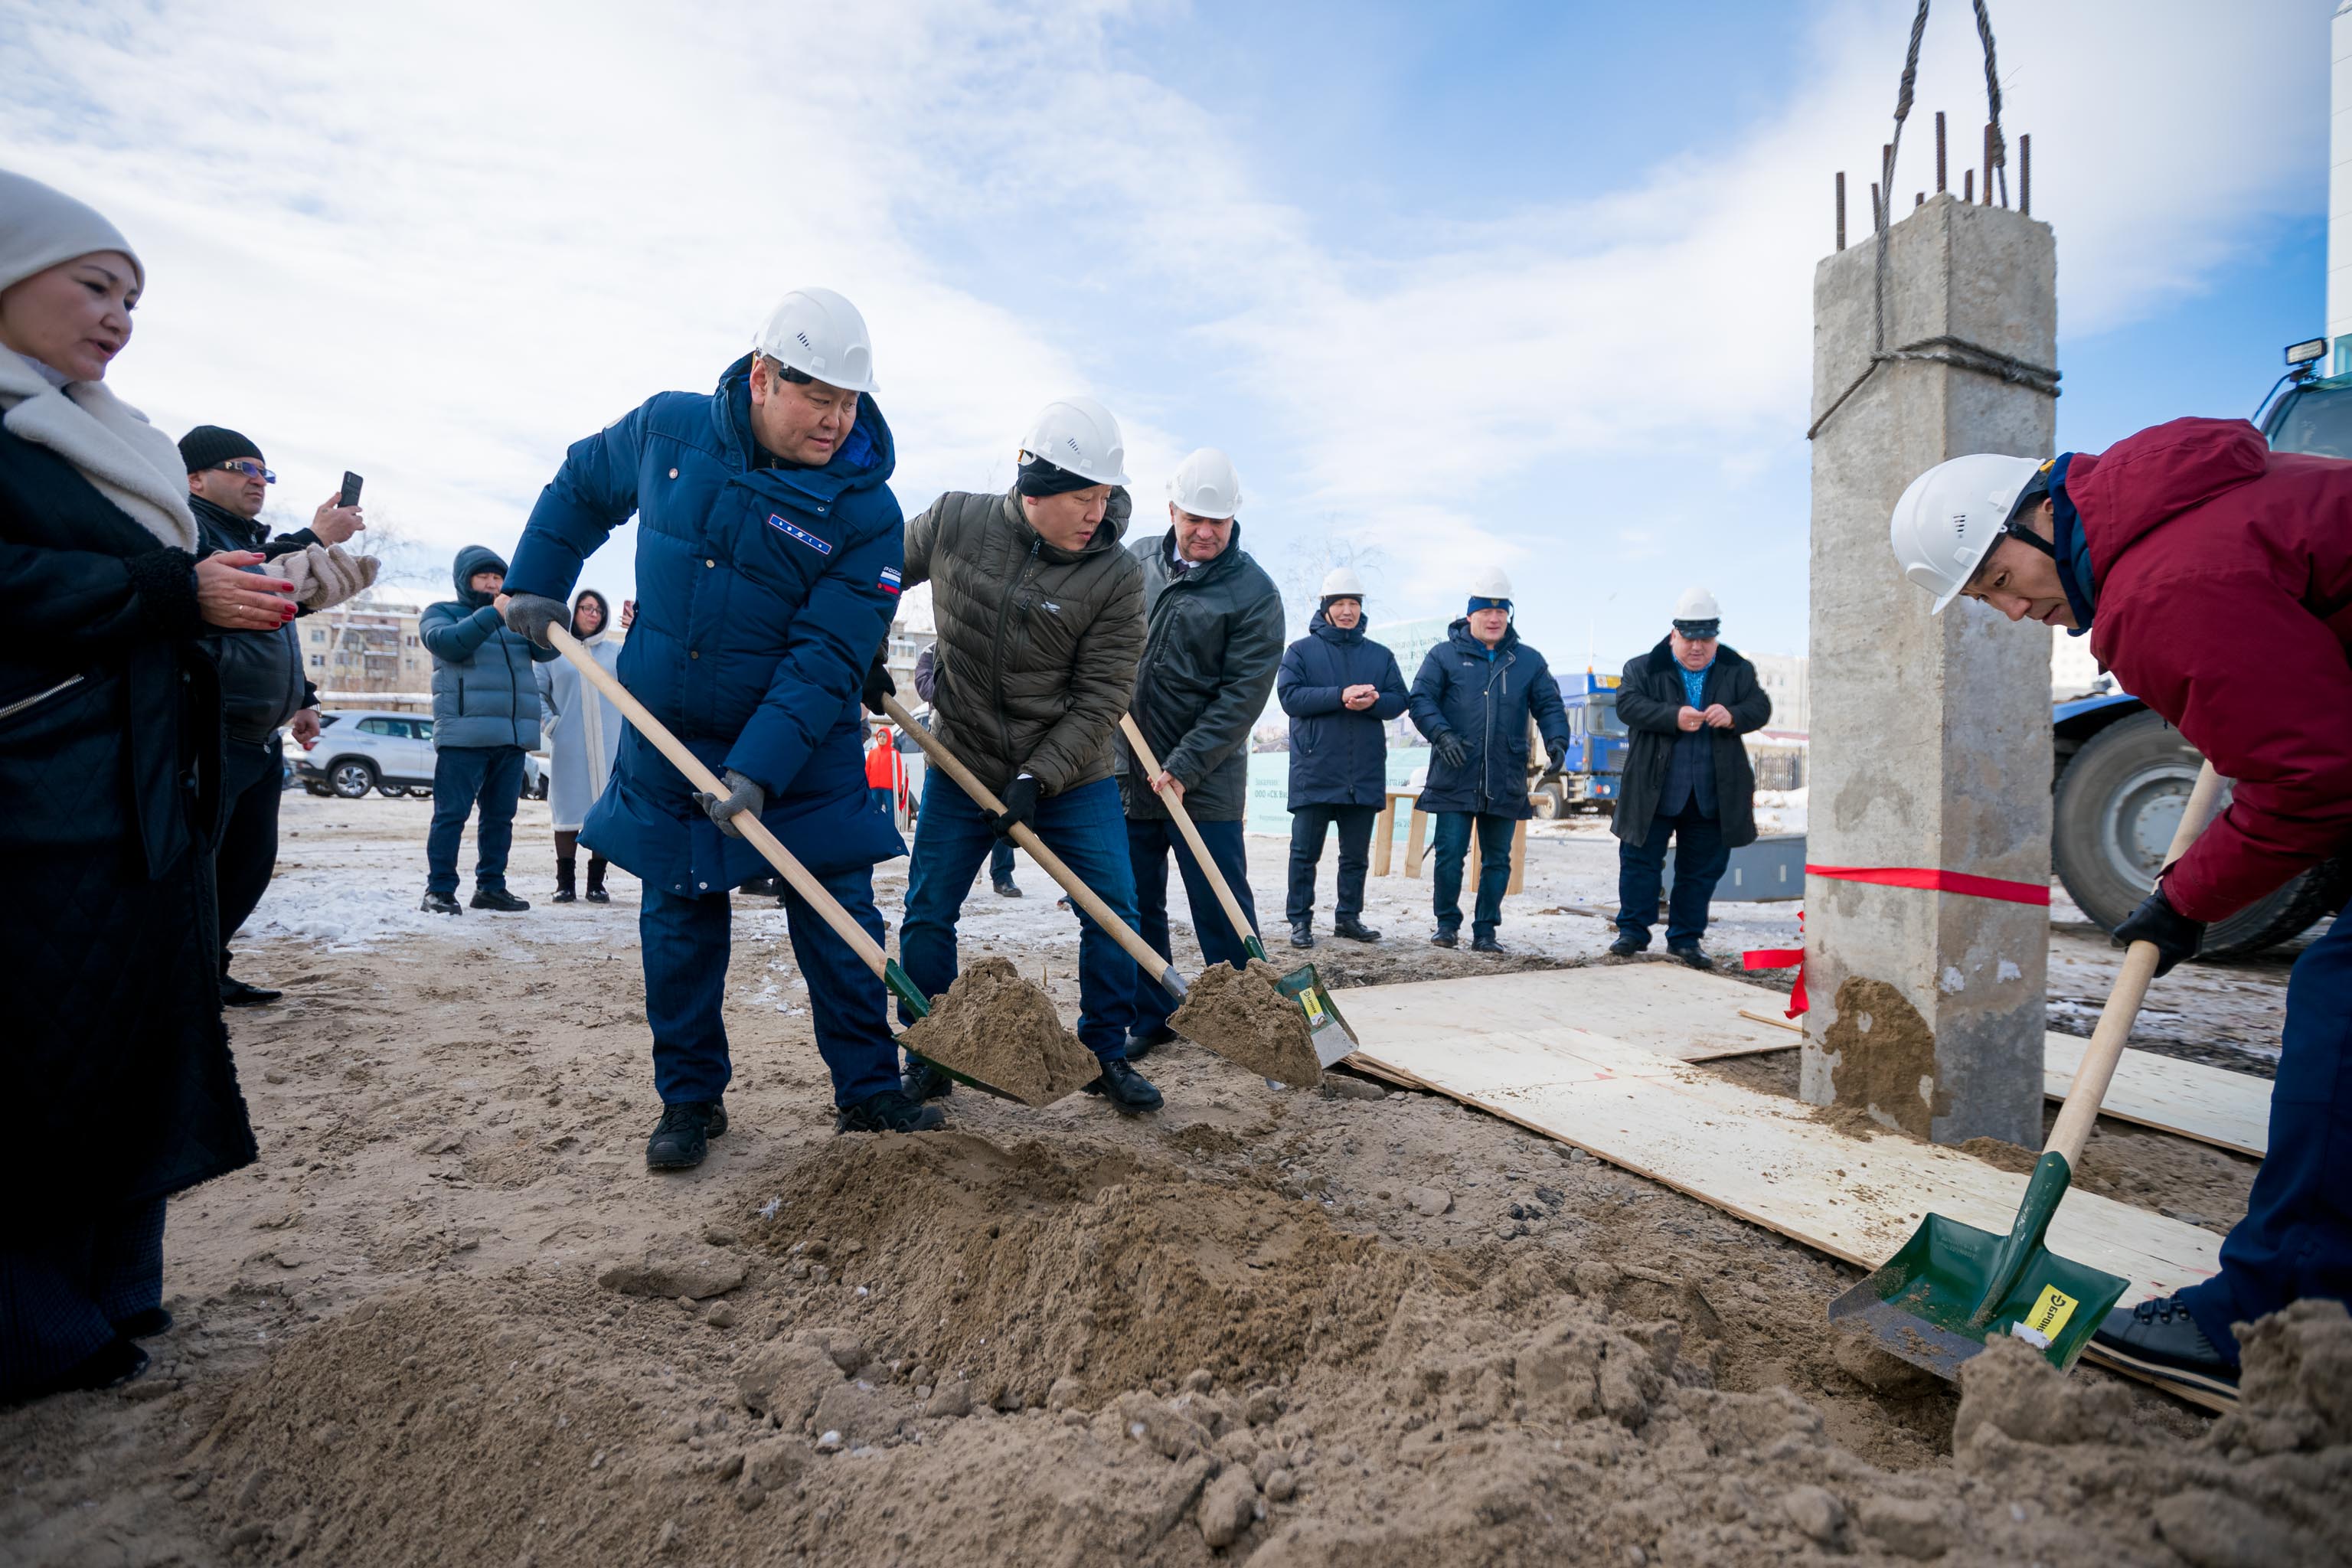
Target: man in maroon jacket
2215, 577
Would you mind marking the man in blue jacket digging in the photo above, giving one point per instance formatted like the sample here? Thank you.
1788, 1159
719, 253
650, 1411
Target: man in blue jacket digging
768, 566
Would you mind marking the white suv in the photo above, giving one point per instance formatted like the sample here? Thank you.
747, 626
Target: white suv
392, 754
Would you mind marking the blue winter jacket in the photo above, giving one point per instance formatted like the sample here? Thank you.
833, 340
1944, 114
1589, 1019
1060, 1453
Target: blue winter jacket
1487, 702
484, 691
763, 590
1339, 755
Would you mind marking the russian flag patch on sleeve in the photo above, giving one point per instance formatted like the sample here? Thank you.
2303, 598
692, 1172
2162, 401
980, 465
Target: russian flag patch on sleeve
889, 583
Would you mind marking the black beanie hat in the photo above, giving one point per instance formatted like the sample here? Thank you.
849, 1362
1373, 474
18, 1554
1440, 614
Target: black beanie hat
210, 446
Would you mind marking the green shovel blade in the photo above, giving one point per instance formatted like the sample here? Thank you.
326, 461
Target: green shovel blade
1952, 1287
1326, 1028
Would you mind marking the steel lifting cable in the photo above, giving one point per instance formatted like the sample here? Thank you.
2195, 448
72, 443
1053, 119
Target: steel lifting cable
1956, 352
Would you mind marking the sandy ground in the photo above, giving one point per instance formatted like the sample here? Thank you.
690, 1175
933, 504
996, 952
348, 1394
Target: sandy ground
450, 1318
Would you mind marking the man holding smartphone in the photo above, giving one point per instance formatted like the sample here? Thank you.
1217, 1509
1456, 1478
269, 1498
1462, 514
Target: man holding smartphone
263, 688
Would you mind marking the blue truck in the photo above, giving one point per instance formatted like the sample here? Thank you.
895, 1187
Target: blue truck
1596, 757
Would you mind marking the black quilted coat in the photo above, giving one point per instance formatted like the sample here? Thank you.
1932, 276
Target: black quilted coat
113, 1063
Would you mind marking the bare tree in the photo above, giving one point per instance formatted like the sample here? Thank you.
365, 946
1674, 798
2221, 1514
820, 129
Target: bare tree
1311, 557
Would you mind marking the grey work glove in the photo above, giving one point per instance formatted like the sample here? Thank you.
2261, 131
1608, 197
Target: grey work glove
1450, 748
743, 795
532, 614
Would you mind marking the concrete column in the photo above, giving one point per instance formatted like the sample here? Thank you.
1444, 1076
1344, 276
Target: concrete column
1930, 735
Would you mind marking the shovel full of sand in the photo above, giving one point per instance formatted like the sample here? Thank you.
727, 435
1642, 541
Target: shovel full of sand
984, 1032
1242, 1016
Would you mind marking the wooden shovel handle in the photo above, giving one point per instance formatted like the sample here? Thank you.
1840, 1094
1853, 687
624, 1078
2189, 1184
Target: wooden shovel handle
867, 950
1101, 913
2072, 1128
1134, 733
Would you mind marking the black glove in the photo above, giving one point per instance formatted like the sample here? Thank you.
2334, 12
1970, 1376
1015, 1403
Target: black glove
1020, 799
1552, 772
743, 795
1450, 750
2175, 936
532, 614
878, 685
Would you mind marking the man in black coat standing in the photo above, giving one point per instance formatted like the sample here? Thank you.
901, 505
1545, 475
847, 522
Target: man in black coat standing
1341, 690
1214, 642
262, 687
1685, 703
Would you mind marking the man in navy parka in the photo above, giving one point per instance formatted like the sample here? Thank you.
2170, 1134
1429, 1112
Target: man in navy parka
769, 558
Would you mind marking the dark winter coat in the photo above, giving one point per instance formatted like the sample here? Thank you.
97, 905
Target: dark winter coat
1038, 646
763, 590
1339, 754
1487, 702
1209, 664
261, 681
2224, 587
1649, 694
484, 692
109, 770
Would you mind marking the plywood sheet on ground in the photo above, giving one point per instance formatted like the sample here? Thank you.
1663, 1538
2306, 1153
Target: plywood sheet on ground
2213, 1105
1668, 1008
1765, 1158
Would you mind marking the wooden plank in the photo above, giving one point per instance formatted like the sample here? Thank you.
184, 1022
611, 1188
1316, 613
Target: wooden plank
1768, 1160
1384, 837
1666, 1007
1518, 858
2213, 1105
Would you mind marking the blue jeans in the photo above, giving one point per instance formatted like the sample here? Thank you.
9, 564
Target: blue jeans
685, 942
1451, 847
1000, 862
883, 796
1082, 826
2296, 1238
463, 776
1700, 858
1310, 827
1149, 841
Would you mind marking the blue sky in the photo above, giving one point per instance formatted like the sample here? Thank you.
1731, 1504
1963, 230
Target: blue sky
1520, 284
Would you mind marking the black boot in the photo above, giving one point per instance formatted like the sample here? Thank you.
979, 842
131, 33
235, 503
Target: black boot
499, 899
1143, 1042
145, 1323
442, 904
1486, 944
1129, 1091
888, 1111
1008, 889
565, 891
596, 893
1626, 945
1354, 930
682, 1136
1444, 938
1302, 933
2160, 1338
1691, 957
236, 993
115, 1362
923, 1080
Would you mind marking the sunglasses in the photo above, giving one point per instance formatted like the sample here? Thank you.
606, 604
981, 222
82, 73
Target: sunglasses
251, 470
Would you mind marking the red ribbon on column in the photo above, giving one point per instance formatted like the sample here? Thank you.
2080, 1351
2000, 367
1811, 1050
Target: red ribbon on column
1927, 877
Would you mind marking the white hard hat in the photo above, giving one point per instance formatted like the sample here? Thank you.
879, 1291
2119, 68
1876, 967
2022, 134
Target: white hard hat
1206, 485
820, 334
1697, 605
1951, 516
1079, 435
1490, 583
1341, 582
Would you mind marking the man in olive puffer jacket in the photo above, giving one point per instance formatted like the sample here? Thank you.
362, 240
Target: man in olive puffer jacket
1040, 617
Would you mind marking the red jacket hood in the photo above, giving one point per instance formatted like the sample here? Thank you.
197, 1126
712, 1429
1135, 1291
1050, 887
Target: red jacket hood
2148, 479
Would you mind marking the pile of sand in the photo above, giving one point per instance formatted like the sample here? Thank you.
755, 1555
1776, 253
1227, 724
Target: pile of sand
1239, 1015
1004, 1031
947, 1351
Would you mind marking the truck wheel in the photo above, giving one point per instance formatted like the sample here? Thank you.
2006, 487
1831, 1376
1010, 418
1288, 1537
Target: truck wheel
2117, 803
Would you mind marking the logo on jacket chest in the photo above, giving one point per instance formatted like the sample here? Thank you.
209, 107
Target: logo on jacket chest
792, 530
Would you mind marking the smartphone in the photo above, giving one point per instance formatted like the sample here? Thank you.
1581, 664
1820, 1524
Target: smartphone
351, 489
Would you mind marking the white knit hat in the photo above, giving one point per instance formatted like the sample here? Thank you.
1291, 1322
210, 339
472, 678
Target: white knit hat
41, 227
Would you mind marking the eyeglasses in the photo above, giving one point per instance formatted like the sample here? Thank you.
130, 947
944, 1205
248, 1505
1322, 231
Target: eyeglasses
249, 470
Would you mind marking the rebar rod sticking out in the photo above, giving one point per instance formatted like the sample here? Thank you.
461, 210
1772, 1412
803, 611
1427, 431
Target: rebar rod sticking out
1939, 153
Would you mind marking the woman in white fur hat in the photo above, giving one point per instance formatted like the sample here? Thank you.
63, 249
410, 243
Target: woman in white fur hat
116, 1070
